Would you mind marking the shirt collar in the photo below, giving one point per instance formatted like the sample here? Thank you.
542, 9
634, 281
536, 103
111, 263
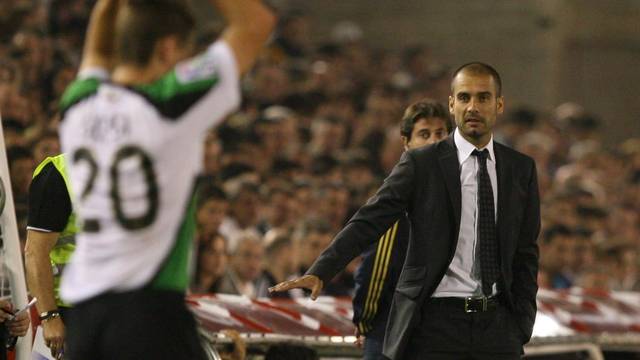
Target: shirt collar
465, 148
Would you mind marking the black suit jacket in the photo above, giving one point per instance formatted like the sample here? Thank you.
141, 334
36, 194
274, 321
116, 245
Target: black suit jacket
425, 185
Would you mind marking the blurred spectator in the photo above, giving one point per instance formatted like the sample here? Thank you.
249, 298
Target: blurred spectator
45, 145
280, 210
244, 268
211, 263
243, 214
212, 155
333, 205
21, 166
315, 236
292, 39
13, 132
212, 207
271, 85
558, 244
280, 263
625, 266
596, 278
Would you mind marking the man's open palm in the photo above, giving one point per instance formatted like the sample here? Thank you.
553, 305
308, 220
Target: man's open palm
310, 282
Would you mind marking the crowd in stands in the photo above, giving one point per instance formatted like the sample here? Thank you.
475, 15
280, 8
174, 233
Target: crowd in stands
317, 132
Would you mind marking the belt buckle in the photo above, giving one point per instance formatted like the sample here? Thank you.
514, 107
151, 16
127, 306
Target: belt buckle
469, 299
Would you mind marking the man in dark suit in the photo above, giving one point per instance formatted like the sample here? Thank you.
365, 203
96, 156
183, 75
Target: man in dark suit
468, 286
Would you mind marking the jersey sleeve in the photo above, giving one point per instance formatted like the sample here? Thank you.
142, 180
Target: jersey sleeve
199, 92
49, 203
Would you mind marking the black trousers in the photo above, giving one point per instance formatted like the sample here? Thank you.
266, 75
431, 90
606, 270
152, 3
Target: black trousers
4, 338
445, 331
136, 325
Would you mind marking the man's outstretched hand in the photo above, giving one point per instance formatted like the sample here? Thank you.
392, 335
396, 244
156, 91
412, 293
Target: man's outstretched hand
310, 282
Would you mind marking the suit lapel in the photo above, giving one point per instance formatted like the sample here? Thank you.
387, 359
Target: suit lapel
451, 170
503, 172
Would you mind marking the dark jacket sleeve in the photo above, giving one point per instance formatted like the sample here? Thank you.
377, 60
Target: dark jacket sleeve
525, 262
370, 222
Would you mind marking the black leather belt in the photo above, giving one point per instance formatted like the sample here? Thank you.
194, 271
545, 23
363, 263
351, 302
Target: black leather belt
471, 304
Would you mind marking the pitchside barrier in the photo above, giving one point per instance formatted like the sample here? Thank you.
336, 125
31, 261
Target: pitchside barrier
12, 281
573, 324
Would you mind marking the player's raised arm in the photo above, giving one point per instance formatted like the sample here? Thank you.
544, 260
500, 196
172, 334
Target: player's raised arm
99, 42
249, 24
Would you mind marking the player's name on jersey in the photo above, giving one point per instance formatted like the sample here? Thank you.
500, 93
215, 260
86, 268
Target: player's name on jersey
107, 127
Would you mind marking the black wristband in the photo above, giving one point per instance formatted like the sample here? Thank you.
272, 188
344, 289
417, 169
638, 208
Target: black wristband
49, 315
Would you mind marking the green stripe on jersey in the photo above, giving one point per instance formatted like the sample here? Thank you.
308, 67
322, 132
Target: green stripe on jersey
169, 86
78, 90
174, 274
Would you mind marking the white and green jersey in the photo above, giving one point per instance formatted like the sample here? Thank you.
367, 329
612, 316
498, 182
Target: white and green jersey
133, 154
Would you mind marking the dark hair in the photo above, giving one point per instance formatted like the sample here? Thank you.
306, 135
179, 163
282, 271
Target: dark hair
591, 212
143, 22
323, 164
234, 170
523, 116
205, 242
210, 192
317, 226
16, 152
245, 186
423, 109
554, 231
480, 68
13, 124
279, 242
281, 165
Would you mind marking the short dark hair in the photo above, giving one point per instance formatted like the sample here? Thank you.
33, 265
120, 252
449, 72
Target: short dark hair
423, 109
235, 169
209, 192
143, 22
554, 231
17, 152
317, 226
480, 68
279, 242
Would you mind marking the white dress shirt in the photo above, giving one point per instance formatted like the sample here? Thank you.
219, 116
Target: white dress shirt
463, 277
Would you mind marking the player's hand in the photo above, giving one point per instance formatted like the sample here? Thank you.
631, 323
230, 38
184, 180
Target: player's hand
310, 282
53, 332
6, 311
19, 325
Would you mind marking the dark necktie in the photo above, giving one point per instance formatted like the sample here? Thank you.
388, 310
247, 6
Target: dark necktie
486, 226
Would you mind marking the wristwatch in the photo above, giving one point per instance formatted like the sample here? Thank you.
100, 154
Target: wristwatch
48, 315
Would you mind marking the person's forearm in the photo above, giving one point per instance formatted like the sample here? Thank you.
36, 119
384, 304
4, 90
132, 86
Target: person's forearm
99, 44
40, 276
249, 24
40, 282
236, 11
